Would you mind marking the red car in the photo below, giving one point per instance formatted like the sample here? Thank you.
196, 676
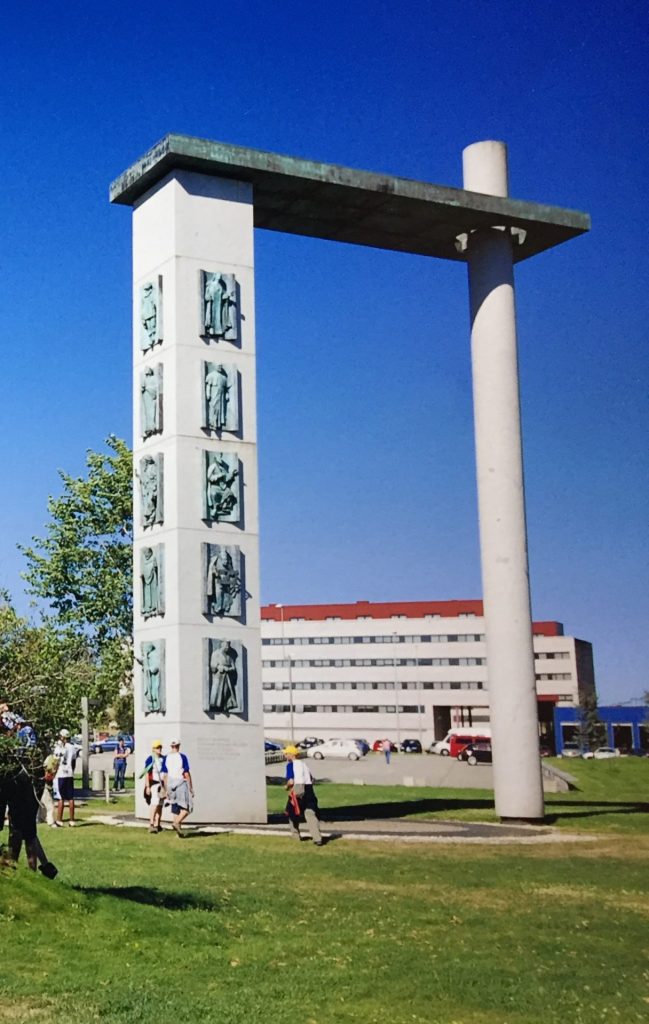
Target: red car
377, 746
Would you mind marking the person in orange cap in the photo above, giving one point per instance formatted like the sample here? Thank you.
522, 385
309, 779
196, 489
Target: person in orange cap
302, 802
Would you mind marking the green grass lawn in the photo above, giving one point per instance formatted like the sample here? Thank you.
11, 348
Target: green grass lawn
612, 796
235, 928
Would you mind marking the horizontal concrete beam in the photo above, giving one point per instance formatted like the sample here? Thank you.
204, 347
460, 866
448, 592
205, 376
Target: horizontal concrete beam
302, 197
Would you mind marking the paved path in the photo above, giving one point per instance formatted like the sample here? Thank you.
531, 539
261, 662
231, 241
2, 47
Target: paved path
372, 829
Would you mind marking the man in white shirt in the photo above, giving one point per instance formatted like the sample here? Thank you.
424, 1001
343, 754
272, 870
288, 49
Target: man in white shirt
64, 778
177, 781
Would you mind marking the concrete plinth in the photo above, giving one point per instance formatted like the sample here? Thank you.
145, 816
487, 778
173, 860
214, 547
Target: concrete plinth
187, 224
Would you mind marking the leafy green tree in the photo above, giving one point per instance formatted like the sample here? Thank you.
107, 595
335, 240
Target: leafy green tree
592, 731
82, 570
43, 675
82, 567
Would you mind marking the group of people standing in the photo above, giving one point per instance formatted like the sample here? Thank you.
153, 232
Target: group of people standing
167, 782
21, 788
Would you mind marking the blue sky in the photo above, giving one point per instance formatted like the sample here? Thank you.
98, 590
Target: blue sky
366, 438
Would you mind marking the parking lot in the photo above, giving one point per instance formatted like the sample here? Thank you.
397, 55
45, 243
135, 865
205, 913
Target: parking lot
403, 770
371, 770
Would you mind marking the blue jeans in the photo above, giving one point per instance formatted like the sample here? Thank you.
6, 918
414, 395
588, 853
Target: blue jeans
120, 773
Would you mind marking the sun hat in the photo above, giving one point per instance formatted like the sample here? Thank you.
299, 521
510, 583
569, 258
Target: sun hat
291, 750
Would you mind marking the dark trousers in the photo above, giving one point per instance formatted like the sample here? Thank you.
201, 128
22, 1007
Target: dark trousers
120, 773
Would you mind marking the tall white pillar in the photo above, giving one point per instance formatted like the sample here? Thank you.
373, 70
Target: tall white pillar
501, 501
189, 225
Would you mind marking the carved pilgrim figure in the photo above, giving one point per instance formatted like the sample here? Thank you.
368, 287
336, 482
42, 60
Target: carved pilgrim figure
150, 403
219, 305
149, 314
151, 677
223, 679
151, 505
217, 387
150, 580
221, 499
223, 584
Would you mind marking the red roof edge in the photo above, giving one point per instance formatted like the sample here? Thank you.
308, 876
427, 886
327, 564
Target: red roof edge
386, 609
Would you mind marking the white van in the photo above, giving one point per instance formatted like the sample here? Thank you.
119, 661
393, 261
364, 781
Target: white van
443, 747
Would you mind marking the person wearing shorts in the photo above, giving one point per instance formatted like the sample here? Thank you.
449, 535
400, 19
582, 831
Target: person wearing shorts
154, 791
66, 753
177, 782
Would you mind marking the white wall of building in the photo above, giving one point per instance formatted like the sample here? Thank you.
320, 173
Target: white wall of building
346, 677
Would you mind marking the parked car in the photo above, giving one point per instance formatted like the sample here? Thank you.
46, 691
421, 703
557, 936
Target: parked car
308, 742
271, 747
411, 747
458, 738
377, 746
363, 744
476, 753
337, 748
571, 750
441, 747
603, 753
109, 745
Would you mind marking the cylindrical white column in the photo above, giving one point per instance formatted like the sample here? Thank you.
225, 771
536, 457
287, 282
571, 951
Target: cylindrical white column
501, 501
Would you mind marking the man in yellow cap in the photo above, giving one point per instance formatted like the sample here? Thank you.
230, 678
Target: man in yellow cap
302, 802
154, 793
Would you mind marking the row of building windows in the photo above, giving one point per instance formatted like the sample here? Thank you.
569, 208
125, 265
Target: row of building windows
348, 662
306, 709
437, 638
455, 685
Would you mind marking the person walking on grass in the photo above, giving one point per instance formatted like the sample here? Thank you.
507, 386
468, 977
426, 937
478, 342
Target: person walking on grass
177, 781
154, 792
119, 765
64, 778
302, 802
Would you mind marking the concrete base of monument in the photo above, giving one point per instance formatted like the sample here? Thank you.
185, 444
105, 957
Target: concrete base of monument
522, 821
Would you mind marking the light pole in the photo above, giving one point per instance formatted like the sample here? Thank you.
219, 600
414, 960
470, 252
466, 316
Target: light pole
290, 673
396, 685
85, 743
419, 693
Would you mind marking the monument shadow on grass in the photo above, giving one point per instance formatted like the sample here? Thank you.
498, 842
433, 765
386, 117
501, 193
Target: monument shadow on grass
592, 809
150, 896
